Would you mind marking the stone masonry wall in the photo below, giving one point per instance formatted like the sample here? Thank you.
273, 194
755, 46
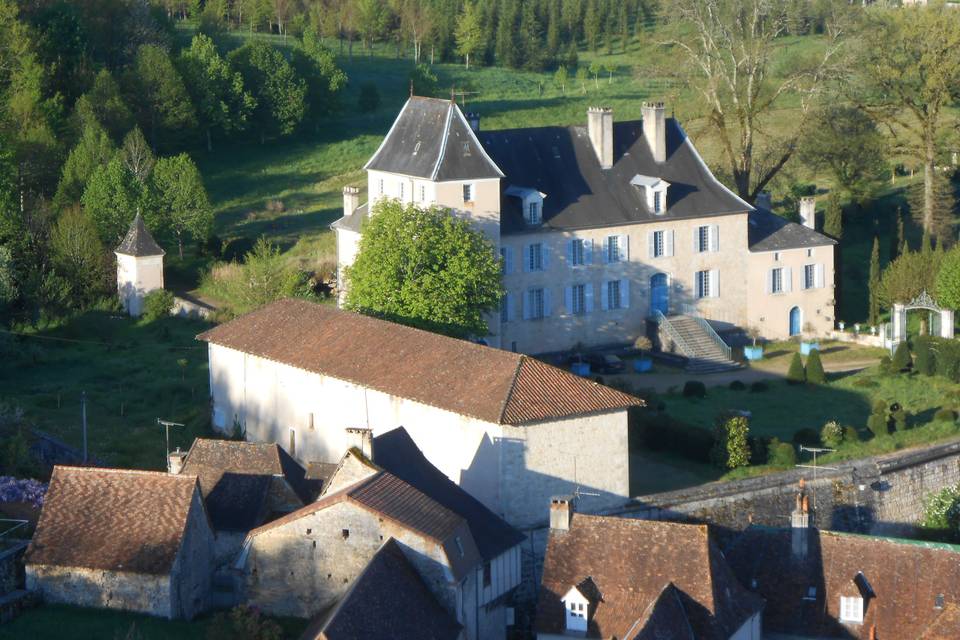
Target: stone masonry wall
142, 593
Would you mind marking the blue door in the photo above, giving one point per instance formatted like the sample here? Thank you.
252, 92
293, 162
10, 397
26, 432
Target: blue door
659, 294
795, 321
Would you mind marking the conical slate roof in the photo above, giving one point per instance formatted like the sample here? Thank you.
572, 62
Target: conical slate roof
138, 241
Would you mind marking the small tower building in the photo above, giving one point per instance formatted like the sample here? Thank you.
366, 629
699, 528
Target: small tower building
139, 267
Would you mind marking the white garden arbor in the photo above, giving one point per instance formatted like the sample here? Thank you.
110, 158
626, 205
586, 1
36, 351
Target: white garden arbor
941, 320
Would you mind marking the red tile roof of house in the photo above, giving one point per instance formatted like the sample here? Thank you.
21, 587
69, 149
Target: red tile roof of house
113, 519
631, 562
458, 376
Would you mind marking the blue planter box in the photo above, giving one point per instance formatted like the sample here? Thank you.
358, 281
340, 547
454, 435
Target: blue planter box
642, 365
807, 347
753, 353
580, 368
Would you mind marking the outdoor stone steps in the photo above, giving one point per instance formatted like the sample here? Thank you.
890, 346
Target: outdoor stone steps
705, 355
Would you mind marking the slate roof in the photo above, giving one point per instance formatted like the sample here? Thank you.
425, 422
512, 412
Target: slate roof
351, 221
432, 139
138, 241
905, 576
235, 479
391, 498
631, 561
388, 601
561, 162
462, 377
396, 452
770, 232
112, 519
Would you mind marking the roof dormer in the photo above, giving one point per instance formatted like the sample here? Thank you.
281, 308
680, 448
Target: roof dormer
531, 203
654, 193
579, 604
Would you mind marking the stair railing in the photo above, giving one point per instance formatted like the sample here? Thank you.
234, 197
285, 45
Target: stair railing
712, 333
673, 333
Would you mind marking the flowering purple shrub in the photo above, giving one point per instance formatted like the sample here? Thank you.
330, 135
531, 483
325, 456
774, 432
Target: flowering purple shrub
18, 490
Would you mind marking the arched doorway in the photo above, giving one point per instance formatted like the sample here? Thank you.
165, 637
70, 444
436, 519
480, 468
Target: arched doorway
796, 321
659, 294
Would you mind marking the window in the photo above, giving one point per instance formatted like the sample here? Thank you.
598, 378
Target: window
486, 574
535, 304
657, 201
576, 253
658, 247
776, 256
809, 253
578, 299
459, 544
533, 213
703, 284
506, 308
703, 238
776, 280
423, 193
613, 249
345, 533
851, 609
468, 192
809, 276
613, 294
535, 257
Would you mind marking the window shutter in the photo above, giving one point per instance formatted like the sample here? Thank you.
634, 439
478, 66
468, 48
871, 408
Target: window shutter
625, 293
714, 237
714, 283
604, 304
787, 279
651, 250
547, 303
606, 250
570, 252
819, 276
668, 243
568, 299
526, 258
526, 305
587, 298
508, 259
624, 245
544, 256
588, 251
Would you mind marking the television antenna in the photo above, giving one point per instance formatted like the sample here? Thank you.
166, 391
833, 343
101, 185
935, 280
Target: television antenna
166, 424
816, 467
576, 490
462, 93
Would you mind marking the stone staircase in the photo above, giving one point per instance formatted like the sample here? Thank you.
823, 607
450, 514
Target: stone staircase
703, 353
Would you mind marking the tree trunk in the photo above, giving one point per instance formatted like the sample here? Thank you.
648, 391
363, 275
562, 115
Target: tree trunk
209, 141
468, 61
180, 245
929, 175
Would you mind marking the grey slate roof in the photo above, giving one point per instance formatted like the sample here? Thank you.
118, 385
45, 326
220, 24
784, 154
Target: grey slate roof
431, 139
351, 221
138, 241
396, 452
560, 162
770, 232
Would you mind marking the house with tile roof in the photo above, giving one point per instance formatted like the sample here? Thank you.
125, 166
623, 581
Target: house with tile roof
117, 539
606, 577
602, 227
139, 266
313, 561
509, 429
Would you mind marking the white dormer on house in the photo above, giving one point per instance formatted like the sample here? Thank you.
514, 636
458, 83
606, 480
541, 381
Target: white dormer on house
531, 202
577, 608
654, 191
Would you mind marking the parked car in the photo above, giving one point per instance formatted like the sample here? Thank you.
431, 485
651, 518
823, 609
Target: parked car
599, 363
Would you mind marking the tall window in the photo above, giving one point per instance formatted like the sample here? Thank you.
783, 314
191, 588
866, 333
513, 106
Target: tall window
703, 238
809, 276
402, 185
578, 299
423, 193
703, 284
380, 186
776, 280
851, 609
658, 248
468, 192
614, 250
535, 257
657, 201
613, 294
535, 300
533, 213
576, 253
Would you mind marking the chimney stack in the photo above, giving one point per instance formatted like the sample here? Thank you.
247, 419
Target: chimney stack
764, 201
351, 199
808, 212
473, 118
600, 129
361, 439
561, 512
800, 525
175, 461
655, 129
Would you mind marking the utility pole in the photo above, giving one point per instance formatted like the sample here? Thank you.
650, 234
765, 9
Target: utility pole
83, 412
166, 424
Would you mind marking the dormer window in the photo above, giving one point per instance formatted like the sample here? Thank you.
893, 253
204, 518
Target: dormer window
533, 213
654, 193
579, 604
851, 610
531, 203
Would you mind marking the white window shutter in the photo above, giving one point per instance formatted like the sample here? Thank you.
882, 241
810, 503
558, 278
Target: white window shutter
714, 283
570, 252
547, 303
604, 303
651, 244
819, 276
787, 279
587, 298
568, 299
526, 305
696, 239
624, 245
526, 258
625, 293
588, 251
769, 283
544, 256
714, 237
606, 250
668, 243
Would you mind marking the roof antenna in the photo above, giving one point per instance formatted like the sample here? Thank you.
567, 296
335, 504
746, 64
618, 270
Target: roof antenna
576, 491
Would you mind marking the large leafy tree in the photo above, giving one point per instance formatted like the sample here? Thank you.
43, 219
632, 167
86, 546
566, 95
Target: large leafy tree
948, 280
425, 268
94, 150
163, 106
325, 80
78, 256
280, 93
470, 37
104, 104
223, 104
113, 197
910, 274
181, 199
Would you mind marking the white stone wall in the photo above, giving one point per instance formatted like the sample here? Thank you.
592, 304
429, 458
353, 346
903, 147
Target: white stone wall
141, 593
136, 277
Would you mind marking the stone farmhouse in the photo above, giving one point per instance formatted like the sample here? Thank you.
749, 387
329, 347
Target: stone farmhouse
602, 228
133, 540
609, 577
139, 267
509, 429
304, 564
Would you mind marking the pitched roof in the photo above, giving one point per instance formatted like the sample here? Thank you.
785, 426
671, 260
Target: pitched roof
458, 376
770, 232
138, 241
665, 617
630, 561
432, 139
391, 498
388, 601
946, 626
905, 577
396, 452
561, 162
112, 519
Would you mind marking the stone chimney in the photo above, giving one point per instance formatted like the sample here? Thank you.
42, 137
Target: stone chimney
351, 199
800, 525
473, 119
361, 439
561, 512
808, 212
764, 201
175, 461
600, 129
655, 129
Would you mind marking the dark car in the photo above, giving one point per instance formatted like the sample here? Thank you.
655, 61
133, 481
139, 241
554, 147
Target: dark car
600, 363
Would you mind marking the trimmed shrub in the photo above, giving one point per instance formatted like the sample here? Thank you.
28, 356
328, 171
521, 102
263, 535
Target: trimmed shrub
694, 389
796, 373
850, 434
759, 386
806, 436
814, 371
781, 454
880, 406
924, 359
901, 358
832, 434
945, 415
157, 304
759, 449
730, 448
885, 363
660, 432
879, 421
737, 385
899, 417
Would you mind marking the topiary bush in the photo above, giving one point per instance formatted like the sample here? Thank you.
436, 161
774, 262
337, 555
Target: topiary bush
924, 359
157, 304
814, 371
850, 434
807, 437
759, 386
945, 415
832, 434
694, 389
796, 373
885, 363
737, 385
901, 358
781, 454
879, 421
731, 449
900, 418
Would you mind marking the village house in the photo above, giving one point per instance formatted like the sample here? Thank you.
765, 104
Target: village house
509, 429
244, 485
139, 267
310, 562
132, 540
607, 577
602, 228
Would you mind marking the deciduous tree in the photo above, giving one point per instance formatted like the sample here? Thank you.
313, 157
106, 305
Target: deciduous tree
469, 32
280, 93
182, 201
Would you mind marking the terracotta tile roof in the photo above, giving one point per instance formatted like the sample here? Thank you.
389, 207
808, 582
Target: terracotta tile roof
946, 626
112, 519
138, 241
905, 578
388, 601
664, 618
631, 561
459, 376
209, 457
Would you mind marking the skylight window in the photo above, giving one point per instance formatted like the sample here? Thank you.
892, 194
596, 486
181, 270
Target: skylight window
466, 148
416, 148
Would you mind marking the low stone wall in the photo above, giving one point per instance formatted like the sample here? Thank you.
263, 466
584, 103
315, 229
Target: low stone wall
863, 338
185, 308
11, 568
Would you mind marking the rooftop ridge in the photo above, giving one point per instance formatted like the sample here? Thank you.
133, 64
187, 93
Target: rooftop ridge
120, 471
